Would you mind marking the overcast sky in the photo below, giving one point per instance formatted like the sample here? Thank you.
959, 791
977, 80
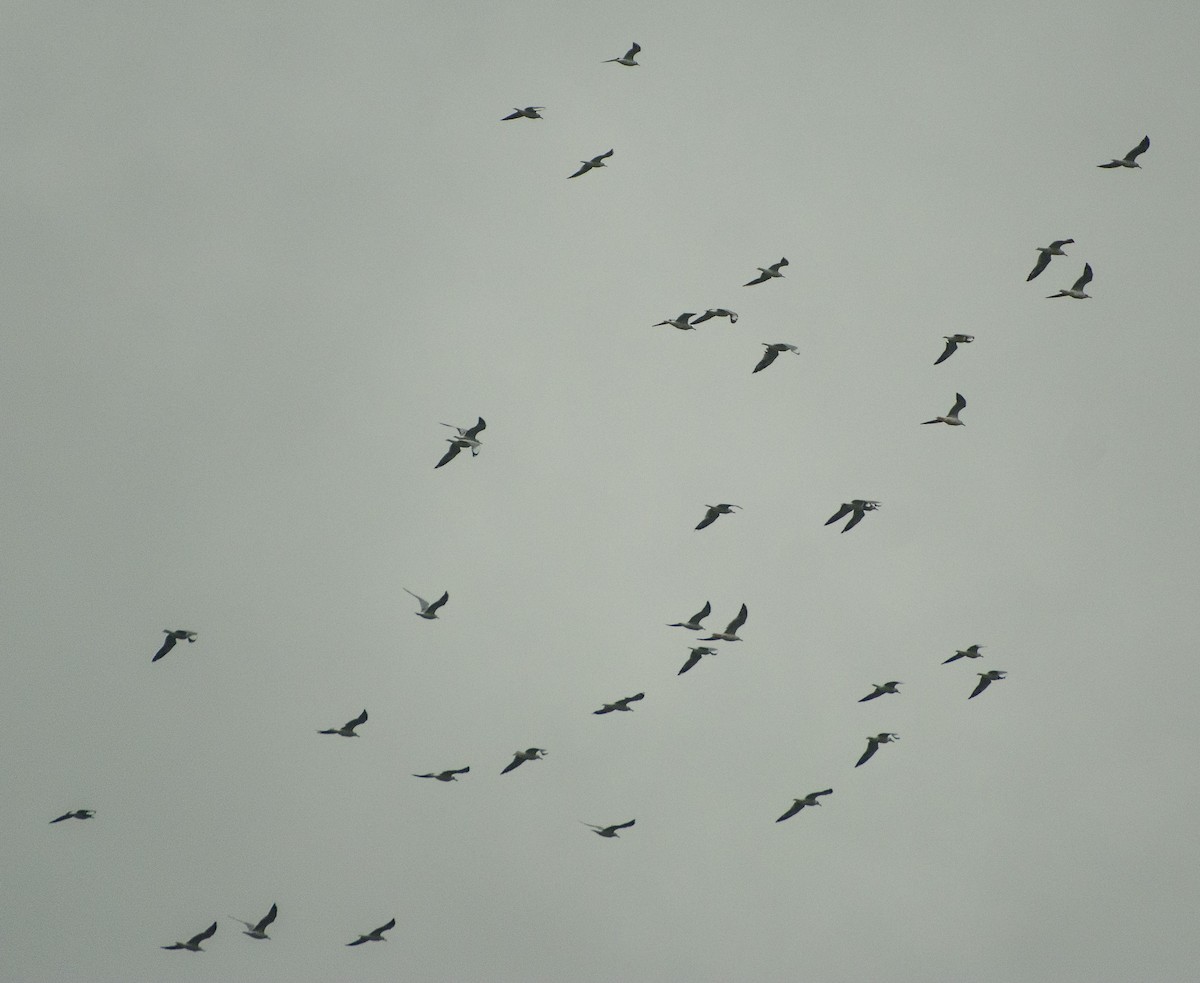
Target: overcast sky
254, 253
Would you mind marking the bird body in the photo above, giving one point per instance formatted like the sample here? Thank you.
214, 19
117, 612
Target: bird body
375, 936
1130, 159
193, 944
347, 729
772, 353
952, 343
715, 510
873, 746
951, 418
530, 754
259, 930
1076, 290
173, 635
859, 506
1054, 249
768, 272
621, 704
730, 634
589, 164
798, 804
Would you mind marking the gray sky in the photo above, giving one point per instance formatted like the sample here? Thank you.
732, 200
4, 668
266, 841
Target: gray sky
255, 252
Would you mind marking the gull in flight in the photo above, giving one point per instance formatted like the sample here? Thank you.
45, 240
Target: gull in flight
859, 506
1130, 159
680, 322
77, 814
772, 353
882, 690
347, 729
716, 312
967, 653
715, 510
952, 343
610, 831
952, 417
429, 611
695, 656
1077, 290
173, 635
446, 776
985, 680
730, 634
798, 804
259, 931
693, 623
529, 112
530, 754
627, 60
873, 746
621, 704
589, 164
1054, 249
193, 944
768, 272
376, 936
467, 437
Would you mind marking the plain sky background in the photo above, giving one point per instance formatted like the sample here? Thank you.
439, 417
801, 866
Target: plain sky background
255, 252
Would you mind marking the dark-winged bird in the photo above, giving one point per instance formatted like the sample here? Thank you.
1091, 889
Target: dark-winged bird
193, 944
873, 746
772, 353
173, 635
621, 704
1054, 249
1076, 290
347, 729
429, 609
768, 272
694, 656
952, 343
882, 690
798, 804
259, 930
952, 417
715, 510
529, 112
985, 680
589, 164
530, 754
375, 936
1130, 159
730, 634
445, 776
610, 831
627, 58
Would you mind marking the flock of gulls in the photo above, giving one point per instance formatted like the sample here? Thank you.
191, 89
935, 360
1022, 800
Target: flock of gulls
468, 438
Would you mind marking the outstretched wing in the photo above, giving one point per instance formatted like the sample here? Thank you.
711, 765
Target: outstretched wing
624, 825
769, 356
517, 761
270, 917
709, 518
475, 430
796, 807
385, 928
951, 348
438, 603
452, 453
166, 647
760, 279
855, 520
984, 682
693, 658
360, 719
208, 933
1140, 149
1042, 262
737, 622
872, 747
1084, 280
846, 507
635, 49
959, 404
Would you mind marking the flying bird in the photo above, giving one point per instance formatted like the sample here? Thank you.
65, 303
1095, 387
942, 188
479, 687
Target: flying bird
446, 776
772, 353
627, 60
952, 417
985, 680
193, 944
715, 510
731, 630
798, 804
259, 930
693, 623
173, 635
968, 653
621, 704
347, 729
1054, 249
695, 655
610, 831
77, 814
376, 936
859, 506
530, 754
768, 272
716, 312
680, 322
1130, 159
529, 112
429, 611
873, 746
882, 690
589, 164
952, 343
468, 437
1076, 291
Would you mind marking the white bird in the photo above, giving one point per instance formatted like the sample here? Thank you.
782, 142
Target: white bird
347, 729
610, 831
375, 936
882, 689
952, 417
193, 944
772, 353
77, 814
429, 610
695, 655
529, 112
952, 343
627, 59
858, 506
967, 653
1077, 290
768, 272
173, 635
1130, 159
446, 776
530, 754
589, 164
985, 680
716, 312
730, 634
715, 510
259, 930
798, 804
693, 623
873, 746
621, 704
680, 322
1054, 249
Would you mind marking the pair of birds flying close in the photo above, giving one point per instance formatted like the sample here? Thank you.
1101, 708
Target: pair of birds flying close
468, 437
728, 635
684, 322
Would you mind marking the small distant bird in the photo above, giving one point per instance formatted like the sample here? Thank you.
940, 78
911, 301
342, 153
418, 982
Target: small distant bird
873, 746
798, 804
1076, 291
952, 343
627, 59
259, 930
529, 112
429, 610
772, 353
985, 680
467, 438
715, 510
1054, 249
446, 776
77, 814
952, 417
695, 656
768, 272
716, 312
731, 630
968, 653
376, 936
680, 322
530, 754
882, 690
621, 704
589, 164
859, 506
1130, 159
610, 831
193, 944
173, 635
347, 729
693, 623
